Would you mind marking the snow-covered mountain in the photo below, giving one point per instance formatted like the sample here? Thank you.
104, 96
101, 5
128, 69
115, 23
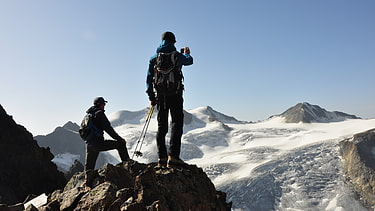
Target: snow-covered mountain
307, 113
269, 165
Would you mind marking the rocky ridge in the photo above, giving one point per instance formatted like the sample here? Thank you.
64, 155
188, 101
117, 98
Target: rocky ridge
25, 168
135, 186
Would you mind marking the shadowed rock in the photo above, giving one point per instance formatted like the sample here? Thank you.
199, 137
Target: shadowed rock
25, 168
135, 186
359, 164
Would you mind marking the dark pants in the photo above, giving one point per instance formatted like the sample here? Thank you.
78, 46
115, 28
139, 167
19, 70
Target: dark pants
93, 148
174, 105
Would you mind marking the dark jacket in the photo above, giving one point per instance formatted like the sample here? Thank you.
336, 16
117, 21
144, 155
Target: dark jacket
166, 47
102, 123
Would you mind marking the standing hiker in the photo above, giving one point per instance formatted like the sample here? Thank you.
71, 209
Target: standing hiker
96, 143
165, 76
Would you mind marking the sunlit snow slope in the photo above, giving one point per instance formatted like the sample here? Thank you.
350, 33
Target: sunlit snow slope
269, 165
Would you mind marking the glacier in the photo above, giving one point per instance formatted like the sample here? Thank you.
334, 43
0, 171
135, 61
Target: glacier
268, 165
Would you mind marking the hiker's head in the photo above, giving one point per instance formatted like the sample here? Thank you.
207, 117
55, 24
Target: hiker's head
99, 101
168, 36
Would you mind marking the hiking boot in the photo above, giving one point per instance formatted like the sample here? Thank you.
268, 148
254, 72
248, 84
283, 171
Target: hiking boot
162, 162
89, 178
175, 162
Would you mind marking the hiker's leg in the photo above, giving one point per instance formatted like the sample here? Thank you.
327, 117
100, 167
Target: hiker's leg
122, 150
177, 115
91, 156
112, 144
162, 129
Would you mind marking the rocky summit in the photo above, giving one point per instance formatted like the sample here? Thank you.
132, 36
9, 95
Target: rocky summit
307, 113
25, 168
135, 186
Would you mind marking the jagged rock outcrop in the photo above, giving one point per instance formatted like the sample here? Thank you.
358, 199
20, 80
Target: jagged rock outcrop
134, 186
76, 167
358, 154
307, 113
25, 168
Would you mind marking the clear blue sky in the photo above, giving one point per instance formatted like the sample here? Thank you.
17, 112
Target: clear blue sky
252, 58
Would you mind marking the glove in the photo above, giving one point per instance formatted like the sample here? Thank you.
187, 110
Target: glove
152, 98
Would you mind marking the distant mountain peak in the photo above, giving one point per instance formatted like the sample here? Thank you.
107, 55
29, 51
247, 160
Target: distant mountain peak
213, 115
307, 113
71, 126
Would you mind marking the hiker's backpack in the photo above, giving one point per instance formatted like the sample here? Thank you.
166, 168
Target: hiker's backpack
88, 131
168, 75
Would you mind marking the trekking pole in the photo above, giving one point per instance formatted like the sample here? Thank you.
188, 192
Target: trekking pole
138, 152
144, 134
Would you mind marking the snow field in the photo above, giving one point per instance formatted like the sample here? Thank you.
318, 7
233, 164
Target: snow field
269, 165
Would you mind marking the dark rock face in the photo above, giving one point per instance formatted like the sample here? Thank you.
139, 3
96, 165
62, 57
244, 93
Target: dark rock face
64, 139
307, 113
25, 168
359, 164
134, 186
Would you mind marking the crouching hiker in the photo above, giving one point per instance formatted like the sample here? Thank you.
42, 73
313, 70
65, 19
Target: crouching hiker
92, 131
